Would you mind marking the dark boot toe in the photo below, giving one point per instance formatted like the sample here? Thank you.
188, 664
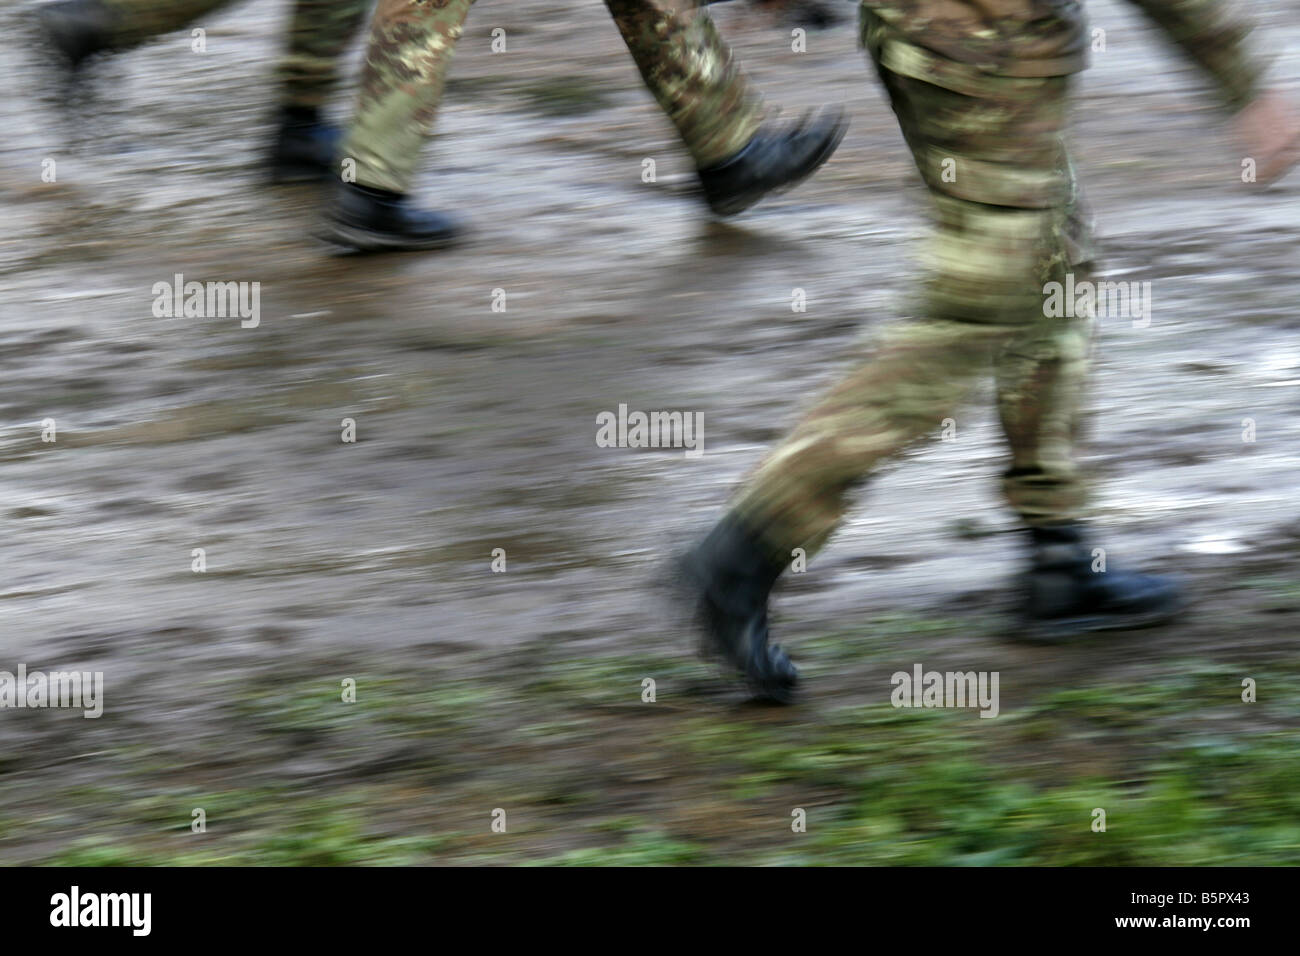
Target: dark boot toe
1069, 590
773, 160
1110, 601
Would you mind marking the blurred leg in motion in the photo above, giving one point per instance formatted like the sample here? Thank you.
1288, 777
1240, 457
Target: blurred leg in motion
308, 73
320, 30
991, 151
690, 71
684, 61
410, 47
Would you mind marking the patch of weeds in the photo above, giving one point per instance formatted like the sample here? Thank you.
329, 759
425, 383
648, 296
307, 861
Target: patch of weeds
565, 96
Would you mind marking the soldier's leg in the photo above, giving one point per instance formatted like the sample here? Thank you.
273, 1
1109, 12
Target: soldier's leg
319, 33
690, 71
1005, 149
407, 56
980, 294
410, 48
306, 147
1068, 587
692, 74
986, 265
1040, 381
990, 150
1040, 384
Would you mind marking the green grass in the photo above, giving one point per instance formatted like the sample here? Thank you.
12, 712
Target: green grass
1186, 772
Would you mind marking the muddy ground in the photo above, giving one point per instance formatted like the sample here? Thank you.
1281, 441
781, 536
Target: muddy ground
521, 690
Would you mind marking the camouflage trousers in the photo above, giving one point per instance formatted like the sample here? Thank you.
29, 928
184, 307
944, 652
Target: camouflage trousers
318, 35
682, 58
991, 151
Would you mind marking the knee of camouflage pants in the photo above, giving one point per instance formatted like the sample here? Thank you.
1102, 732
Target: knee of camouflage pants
991, 152
407, 55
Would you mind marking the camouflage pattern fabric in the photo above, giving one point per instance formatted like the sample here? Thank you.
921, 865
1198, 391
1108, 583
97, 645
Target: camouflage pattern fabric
1004, 37
318, 34
1007, 221
689, 69
410, 48
1213, 33
980, 91
682, 58
1046, 37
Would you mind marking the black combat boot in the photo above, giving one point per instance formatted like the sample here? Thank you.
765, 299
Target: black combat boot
728, 577
305, 148
1066, 597
76, 29
773, 159
375, 220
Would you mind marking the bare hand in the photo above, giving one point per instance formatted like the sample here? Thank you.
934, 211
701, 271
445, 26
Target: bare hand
1270, 133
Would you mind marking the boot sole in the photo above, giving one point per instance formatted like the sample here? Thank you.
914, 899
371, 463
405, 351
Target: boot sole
1063, 630
363, 240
